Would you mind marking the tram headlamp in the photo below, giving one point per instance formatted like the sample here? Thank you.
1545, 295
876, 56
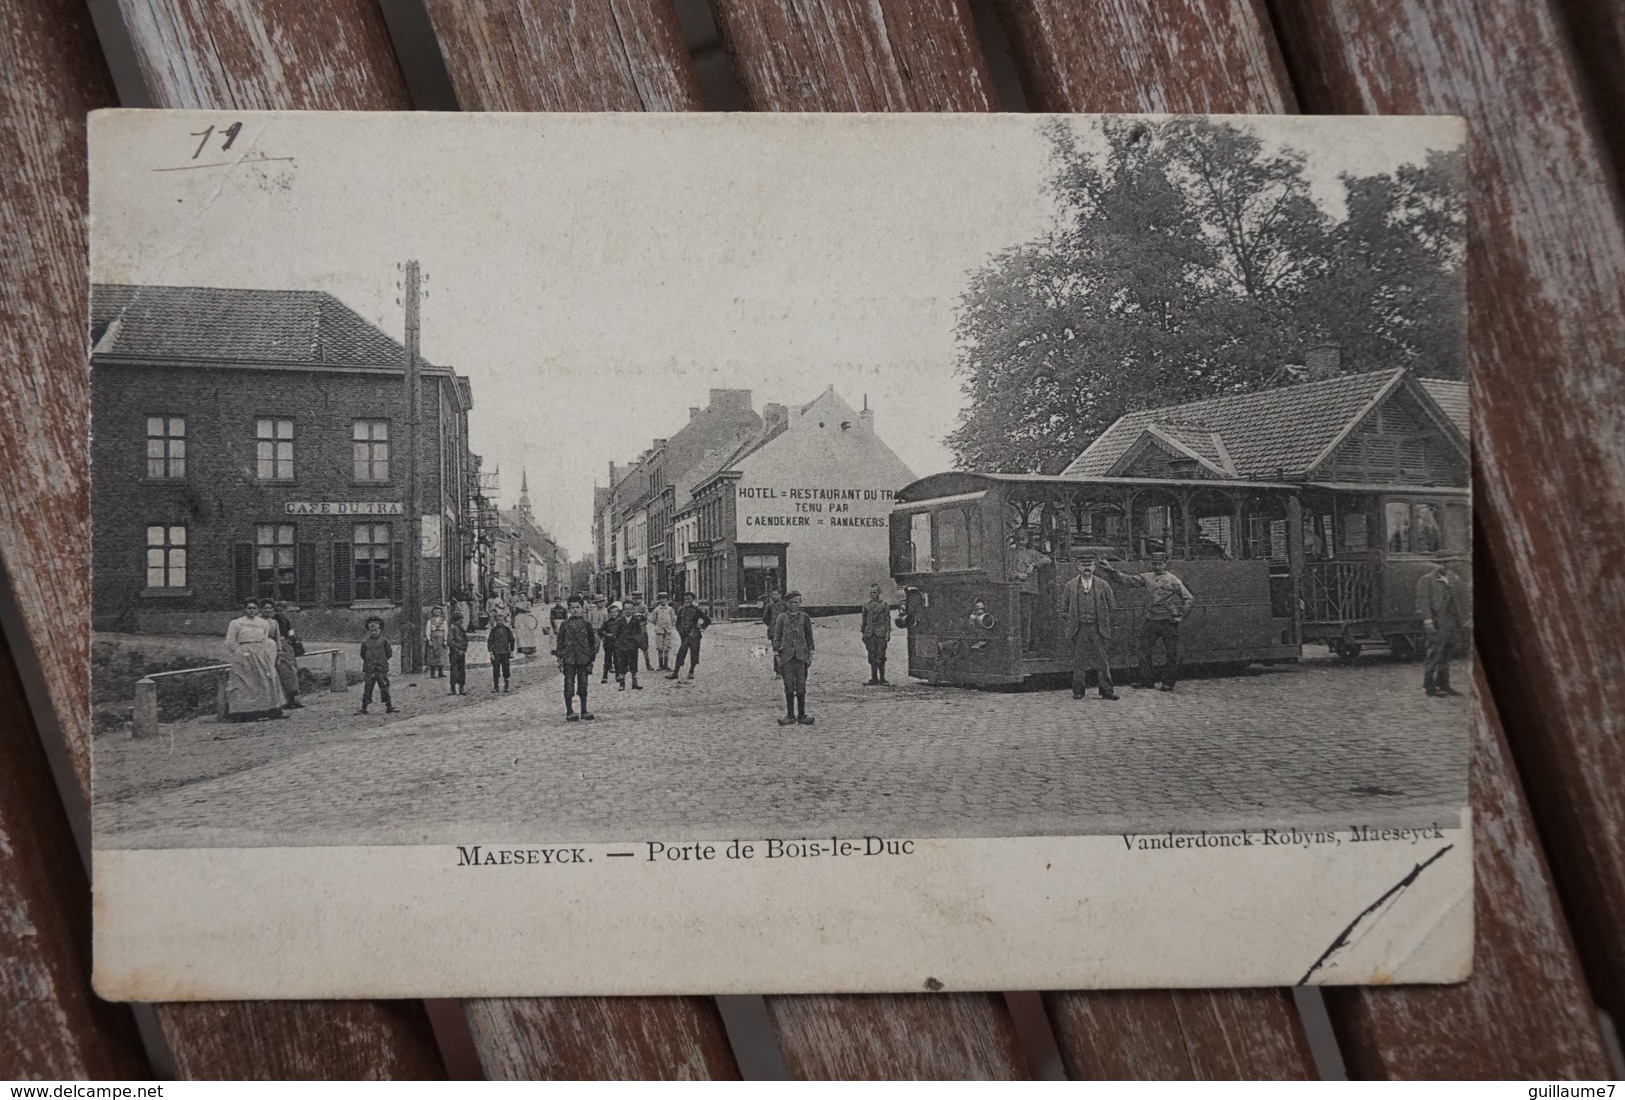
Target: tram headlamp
983, 620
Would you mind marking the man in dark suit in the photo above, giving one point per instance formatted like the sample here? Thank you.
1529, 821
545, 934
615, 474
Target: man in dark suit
1445, 605
1087, 603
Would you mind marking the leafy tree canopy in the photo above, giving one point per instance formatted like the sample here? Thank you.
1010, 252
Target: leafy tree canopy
1187, 260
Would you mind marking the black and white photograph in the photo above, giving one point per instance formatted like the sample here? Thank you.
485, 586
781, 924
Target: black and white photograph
819, 553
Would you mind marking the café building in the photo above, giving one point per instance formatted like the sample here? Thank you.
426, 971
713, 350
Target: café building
251, 443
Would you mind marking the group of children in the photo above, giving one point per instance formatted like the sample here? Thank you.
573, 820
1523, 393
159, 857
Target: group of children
445, 655
622, 633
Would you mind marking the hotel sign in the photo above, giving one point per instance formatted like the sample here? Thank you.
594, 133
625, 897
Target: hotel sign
345, 508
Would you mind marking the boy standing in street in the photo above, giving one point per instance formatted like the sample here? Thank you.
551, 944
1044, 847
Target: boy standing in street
630, 640
607, 630
691, 623
457, 654
793, 642
607, 633
375, 655
500, 642
876, 634
576, 646
664, 622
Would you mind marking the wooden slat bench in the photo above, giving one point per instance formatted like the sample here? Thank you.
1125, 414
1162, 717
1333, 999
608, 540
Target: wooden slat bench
1547, 268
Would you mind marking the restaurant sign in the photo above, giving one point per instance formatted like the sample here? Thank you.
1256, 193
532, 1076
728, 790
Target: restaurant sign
345, 508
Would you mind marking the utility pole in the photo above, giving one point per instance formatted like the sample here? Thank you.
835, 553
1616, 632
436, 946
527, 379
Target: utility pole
412, 544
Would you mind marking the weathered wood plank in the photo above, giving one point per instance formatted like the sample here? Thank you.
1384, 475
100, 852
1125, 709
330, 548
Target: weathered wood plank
857, 55
55, 76
601, 1038
600, 55
1546, 302
280, 54
265, 55
908, 1036
605, 55
846, 55
1526, 1013
1181, 57
1215, 1035
1597, 29
54, 1026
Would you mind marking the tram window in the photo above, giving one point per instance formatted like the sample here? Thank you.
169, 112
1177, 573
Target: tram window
1398, 513
952, 540
1455, 528
1427, 531
919, 533
1356, 540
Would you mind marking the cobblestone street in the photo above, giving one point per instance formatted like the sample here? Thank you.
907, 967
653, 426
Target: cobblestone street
1322, 743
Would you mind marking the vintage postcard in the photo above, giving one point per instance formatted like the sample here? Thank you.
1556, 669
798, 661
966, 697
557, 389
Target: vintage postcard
612, 554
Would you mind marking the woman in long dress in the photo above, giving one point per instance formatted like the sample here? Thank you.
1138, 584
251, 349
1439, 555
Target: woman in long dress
252, 690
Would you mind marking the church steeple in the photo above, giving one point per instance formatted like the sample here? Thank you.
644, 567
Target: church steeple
524, 493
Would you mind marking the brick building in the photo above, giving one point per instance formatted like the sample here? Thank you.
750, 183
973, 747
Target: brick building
249, 443
633, 516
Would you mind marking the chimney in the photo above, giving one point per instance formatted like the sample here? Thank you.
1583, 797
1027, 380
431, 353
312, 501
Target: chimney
866, 416
1323, 361
729, 399
774, 416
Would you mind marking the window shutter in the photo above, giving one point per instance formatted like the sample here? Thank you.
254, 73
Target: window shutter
304, 584
242, 572
343, 573
397, 566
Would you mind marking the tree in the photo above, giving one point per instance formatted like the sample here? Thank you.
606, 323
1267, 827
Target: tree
1186, 260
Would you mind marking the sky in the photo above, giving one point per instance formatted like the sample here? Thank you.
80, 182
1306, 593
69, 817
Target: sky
595, 275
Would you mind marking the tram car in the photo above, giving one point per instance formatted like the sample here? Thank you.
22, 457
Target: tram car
1326, 551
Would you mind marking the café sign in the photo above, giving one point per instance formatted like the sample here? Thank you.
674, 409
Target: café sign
345, 508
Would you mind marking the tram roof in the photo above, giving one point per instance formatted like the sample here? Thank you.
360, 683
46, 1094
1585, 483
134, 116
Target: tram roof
953, 483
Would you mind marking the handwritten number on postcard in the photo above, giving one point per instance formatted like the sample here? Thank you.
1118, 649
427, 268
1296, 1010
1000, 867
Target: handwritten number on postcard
230, 133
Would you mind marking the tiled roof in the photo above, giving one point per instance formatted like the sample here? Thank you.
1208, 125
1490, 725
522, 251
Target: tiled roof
1451, 397
216, 324
1200, 441
1285, 428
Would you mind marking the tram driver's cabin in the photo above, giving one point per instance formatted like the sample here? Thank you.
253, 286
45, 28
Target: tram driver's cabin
1301, 514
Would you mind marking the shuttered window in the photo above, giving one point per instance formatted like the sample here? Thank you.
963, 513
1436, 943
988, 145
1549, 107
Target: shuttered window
343, 578
274, 573
242, 572
304, 589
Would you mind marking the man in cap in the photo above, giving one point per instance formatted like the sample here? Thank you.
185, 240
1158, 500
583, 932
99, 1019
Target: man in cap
793, 642
1087, 603
876, 633
1170, 601
1445, 605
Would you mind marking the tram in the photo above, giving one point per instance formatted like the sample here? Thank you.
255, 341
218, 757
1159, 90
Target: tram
1274, 565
